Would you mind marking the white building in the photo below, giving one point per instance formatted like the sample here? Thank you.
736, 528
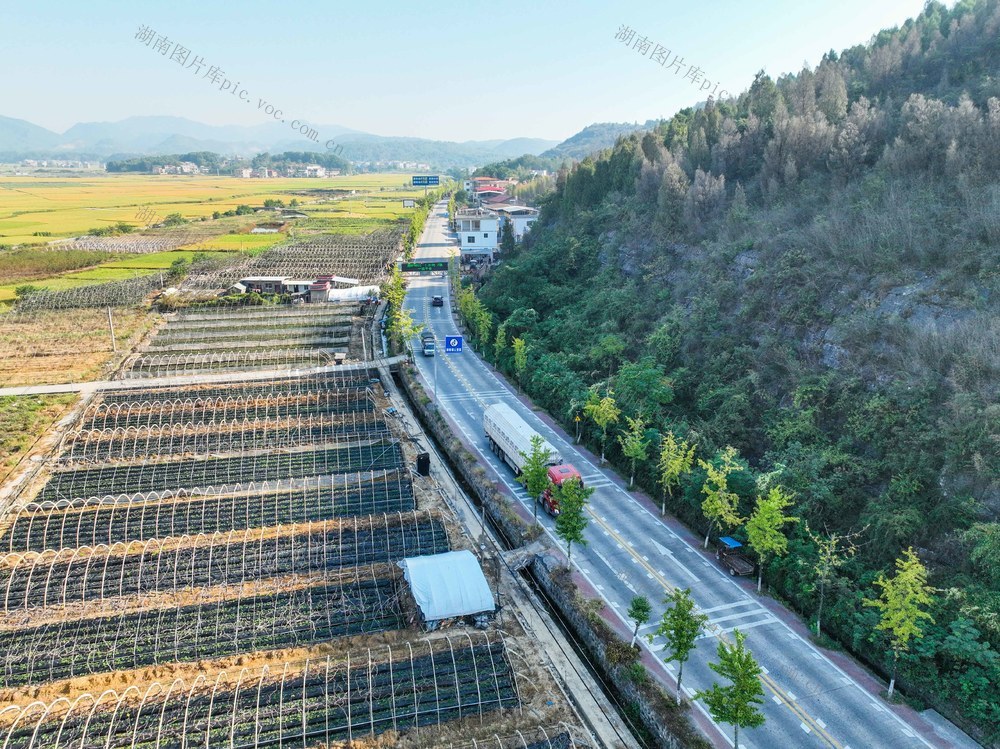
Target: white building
518, 217
478, 231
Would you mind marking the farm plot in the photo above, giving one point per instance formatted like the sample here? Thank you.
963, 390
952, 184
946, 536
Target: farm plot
66, 345
31, 581
235, 436
305, 704
94, 522
365, 259
178, 365
316, 383
215, 407
133, 479
290, 618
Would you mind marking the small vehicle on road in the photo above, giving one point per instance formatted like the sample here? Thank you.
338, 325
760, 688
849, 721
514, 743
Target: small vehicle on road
730, 553
437, 300
427, 343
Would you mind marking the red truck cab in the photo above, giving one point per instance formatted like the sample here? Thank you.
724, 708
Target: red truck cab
557, 474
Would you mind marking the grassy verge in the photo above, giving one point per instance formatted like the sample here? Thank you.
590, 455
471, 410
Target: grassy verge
23, 419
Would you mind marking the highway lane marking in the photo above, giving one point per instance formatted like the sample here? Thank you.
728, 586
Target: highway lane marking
747, 602
766, 679
740, 615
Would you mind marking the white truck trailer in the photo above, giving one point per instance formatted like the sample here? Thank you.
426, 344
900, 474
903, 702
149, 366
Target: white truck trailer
509, 435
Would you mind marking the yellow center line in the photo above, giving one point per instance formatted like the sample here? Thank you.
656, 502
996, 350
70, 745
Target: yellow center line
778, 692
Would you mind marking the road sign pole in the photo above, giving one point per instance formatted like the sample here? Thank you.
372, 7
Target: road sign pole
434, 385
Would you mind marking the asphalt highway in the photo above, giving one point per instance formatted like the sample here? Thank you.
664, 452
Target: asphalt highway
810, 701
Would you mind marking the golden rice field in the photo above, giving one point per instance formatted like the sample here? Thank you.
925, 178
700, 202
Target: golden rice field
70, 206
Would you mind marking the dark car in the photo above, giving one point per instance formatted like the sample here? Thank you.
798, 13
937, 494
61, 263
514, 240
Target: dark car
437, 301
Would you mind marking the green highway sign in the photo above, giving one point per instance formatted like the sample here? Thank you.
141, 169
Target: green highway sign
425, 266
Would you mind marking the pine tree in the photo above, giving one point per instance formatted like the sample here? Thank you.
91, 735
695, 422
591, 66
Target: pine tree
902, 603
735, 703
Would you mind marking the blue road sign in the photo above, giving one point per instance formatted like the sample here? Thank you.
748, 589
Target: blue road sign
453, 344
426, 180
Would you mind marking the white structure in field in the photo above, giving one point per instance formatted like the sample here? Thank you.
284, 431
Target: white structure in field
478, 231
448, 586
518, 217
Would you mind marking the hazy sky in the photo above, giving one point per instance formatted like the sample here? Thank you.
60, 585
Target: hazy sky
447, 70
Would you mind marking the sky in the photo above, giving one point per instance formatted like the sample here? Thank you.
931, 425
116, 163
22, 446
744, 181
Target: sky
444, 70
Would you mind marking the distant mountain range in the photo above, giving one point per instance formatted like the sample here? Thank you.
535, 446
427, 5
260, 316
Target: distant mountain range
137, 136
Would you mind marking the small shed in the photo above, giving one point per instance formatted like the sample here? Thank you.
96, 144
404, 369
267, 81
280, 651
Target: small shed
448, 586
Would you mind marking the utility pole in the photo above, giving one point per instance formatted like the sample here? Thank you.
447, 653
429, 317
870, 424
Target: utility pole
111, 327
434, 384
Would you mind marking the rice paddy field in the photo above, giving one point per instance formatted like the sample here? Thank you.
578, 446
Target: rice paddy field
67, 207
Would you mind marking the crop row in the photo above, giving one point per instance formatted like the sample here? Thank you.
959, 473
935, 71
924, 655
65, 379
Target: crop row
217, 560
317, 705
111, 480
163, 365
112, 445
91, 522
219, 409
255, 315
262, 330
249, 345
190, 633
283, 386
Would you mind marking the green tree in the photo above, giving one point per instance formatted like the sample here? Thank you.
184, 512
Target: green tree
483, 321
634, 444
639, 611
720, 506
603, 412
500, 342
520, 348
676, 459
902, 603
735, 703
535, 471
680, 626
572, 520
764, 528
833, 551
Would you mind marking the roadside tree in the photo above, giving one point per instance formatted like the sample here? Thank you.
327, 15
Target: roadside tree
676, 459
634, 444
535, 472
680, 626
764, 528
639, 611
735, 703
720, 506
902, 604
572, 520
603, 412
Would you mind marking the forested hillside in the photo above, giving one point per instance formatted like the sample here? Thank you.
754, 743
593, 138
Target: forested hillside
809, 273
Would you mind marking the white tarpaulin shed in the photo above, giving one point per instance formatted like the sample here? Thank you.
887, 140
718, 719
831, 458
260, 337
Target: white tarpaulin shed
448, 585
